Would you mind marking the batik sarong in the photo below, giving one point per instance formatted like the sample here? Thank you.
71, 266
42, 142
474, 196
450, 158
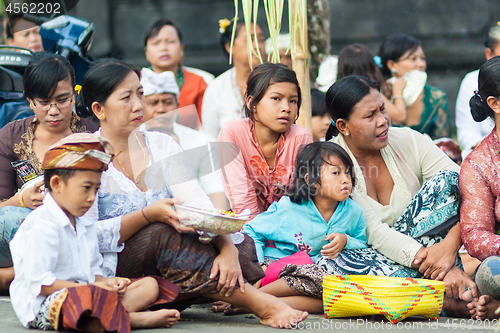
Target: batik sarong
432, 212
70, 309
160, 250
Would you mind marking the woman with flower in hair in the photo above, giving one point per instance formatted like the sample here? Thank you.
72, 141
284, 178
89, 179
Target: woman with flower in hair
223, 98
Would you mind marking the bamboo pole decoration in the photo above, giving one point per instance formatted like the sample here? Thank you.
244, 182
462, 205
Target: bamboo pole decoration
274, 16
300, 55
299, 45
250, 10
233, 33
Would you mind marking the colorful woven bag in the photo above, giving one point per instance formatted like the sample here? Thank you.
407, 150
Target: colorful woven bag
395, 298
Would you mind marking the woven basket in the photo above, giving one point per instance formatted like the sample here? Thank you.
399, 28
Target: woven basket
395, 298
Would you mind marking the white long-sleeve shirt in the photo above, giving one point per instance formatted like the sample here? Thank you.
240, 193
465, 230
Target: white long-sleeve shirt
469, 132
47, 247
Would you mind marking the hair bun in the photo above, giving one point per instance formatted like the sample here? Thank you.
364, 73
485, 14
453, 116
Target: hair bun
331, 132
478, 108
81, 109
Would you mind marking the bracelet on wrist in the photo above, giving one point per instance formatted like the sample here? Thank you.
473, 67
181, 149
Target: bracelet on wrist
396, 97
21, 201
144, 215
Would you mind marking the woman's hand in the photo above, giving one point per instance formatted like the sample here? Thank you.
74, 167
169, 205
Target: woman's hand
332, 249
419, 258
455, 283
439, 259
163, 211
386, 89
228, 267
33, 196
398, 86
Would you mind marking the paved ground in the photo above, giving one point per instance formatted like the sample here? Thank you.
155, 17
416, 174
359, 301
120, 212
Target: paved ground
201, 319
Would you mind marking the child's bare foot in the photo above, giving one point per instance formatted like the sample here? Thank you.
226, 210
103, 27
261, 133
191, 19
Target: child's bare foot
235, 310
471, 303
228, 309
159, 318
94, 326
220, 306
279, 315
484, 308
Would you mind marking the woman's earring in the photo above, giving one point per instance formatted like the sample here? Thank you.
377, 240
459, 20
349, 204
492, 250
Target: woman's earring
101, 117
347, 133
394, 71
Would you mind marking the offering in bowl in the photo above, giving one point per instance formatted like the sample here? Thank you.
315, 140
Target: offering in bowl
207, 221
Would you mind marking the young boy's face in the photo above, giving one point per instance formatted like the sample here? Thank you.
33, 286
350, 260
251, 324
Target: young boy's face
76, 195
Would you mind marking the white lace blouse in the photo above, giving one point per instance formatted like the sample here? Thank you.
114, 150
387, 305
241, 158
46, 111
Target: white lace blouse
166, 176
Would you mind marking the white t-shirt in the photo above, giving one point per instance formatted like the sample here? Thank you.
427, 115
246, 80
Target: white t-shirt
45, 248
222, 102
469, 132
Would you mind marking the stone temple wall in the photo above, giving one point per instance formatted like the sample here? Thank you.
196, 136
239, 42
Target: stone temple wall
452, 31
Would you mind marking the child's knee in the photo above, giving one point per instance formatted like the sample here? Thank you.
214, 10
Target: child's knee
150, 288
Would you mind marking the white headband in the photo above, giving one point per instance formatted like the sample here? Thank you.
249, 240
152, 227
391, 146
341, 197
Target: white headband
159, 83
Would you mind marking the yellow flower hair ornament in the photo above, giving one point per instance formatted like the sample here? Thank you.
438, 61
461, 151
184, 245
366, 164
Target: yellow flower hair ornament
78, 88
223, 24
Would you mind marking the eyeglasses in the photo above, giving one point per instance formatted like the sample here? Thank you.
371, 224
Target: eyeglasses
46, 106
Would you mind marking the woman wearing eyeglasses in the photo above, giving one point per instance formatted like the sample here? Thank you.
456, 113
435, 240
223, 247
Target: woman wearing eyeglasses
422, 107
49, 83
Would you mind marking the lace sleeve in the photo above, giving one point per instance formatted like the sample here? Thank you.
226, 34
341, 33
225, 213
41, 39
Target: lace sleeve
108, 234
478, 205
108, 230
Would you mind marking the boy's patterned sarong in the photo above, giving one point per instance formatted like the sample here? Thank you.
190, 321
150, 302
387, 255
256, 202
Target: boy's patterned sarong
70, 309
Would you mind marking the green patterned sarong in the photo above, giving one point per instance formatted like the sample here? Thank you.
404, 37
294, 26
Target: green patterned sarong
433, 211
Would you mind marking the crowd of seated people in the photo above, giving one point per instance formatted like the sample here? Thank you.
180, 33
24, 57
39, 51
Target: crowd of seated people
374, 188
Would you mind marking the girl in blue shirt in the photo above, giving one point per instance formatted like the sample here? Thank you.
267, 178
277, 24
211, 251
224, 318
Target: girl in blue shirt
317, 217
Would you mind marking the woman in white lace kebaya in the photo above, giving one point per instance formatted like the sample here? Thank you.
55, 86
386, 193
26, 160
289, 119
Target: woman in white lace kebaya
138, 190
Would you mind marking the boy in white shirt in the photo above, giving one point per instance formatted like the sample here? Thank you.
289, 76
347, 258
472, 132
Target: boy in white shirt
58, 283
